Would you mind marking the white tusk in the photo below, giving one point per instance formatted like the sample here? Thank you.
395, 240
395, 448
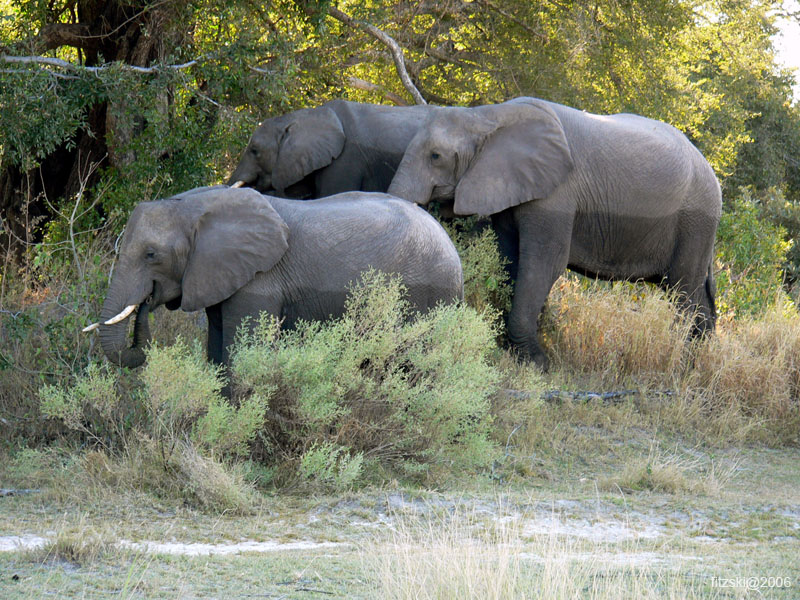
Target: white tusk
238, 184
122, 316
91, 327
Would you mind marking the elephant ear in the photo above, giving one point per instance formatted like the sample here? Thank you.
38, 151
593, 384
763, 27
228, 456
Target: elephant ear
525, 158
238, 235
310, 142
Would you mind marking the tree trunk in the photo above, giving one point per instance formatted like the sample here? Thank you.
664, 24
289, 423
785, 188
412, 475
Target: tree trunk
106, 30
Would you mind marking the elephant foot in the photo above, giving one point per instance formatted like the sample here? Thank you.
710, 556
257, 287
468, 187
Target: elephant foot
535, 354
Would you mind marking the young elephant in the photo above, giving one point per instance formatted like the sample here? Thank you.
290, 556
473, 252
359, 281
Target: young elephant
235, 253
340, 146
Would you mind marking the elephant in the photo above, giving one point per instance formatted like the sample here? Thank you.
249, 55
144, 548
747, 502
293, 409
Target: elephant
613, 197
235, 253
340, 146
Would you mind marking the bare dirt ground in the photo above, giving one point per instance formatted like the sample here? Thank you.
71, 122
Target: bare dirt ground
738, 540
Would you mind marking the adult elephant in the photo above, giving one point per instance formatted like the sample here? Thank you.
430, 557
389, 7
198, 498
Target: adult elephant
338, 147
236, 253
617, 196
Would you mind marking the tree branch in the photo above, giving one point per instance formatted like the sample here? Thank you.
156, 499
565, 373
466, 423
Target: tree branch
55, 35
504, 13
386, 40
368, 86
63, 64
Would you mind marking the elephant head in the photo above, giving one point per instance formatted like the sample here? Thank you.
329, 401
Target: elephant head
486, 159
191, 251
285, 149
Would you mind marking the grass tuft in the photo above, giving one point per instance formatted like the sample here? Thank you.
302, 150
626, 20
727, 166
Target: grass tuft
671, 474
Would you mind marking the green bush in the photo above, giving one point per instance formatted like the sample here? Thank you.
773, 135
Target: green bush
401, 393
785, 213
171, 432
179, 400
376, 389
91, 405
44, 303
182, 397
332, 466
751, 252
486, 284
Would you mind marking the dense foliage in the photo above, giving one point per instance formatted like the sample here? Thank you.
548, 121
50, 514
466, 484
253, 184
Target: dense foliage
163, 94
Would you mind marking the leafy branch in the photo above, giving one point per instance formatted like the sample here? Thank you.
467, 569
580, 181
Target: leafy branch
389, 42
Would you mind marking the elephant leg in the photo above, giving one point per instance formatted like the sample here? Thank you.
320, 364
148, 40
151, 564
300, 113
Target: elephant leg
544, 243
215, 348
691, 276
243, 306
214, 343
507, 240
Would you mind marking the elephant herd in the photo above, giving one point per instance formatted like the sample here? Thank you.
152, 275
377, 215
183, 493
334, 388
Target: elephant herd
322, 194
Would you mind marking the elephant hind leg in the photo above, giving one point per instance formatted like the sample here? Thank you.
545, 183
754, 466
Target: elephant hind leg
706, 322
691, 276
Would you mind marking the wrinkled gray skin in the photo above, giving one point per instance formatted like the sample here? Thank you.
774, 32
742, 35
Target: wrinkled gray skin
235, 253
338, 147
614, 197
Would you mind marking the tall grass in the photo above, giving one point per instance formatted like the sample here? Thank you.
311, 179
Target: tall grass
620, 333
740, 384
467, 556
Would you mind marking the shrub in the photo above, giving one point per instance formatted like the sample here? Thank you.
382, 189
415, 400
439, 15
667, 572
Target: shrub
331, 466
784, 213
176, 425
751, 252
44, 304
180, 399
486, 284
91, 405
409, 394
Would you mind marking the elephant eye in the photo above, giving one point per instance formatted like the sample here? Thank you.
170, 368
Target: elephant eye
434, 155
254, 151
150, 255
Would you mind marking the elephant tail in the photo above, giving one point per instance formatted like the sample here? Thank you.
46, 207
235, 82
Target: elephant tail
711, 295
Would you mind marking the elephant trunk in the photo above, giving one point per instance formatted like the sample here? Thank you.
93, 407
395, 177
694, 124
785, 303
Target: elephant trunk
409, 185
246, 173
114, 337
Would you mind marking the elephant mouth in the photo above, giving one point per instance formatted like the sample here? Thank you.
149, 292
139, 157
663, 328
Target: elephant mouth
443, 192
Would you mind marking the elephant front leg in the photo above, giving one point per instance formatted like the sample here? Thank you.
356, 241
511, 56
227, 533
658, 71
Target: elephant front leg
543, 257
507, 241
243, 307
530, 293
214, 344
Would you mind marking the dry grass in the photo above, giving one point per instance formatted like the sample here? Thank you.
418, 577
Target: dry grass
750, 373
670, 473
77, 542
467, 556
618, 333
183, 474
740, 385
